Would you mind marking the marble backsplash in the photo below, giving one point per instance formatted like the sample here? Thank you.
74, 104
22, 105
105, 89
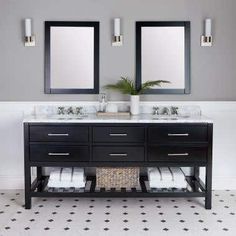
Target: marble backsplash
47, 110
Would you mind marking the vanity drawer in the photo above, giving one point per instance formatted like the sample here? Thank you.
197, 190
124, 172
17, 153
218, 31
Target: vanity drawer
116, 153
118, 134
42, 152
177, 153
54, 133
178, 133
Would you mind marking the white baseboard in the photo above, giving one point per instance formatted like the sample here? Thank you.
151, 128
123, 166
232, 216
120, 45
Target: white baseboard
11, 182
224, 182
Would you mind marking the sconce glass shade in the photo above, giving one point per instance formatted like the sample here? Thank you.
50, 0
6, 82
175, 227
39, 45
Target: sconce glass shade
117, 39
208, 23
117, 27
28, 32
206, 39
29, 38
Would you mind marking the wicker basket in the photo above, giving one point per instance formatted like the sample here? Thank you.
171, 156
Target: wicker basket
117, 177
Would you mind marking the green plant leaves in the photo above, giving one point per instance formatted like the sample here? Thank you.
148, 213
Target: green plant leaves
124, 85
150, 84
127, 86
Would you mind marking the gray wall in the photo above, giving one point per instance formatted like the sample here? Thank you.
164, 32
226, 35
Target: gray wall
213, 69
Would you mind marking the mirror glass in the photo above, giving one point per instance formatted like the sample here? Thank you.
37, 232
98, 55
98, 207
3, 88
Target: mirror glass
71, 57
163, 54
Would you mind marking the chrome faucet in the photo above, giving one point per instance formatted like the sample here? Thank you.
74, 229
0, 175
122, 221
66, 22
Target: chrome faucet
166, 111
70, 111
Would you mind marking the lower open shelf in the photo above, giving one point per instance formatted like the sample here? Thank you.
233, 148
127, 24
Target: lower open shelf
195, 188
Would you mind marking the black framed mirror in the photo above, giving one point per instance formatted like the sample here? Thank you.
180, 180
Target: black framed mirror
71, 57
163, 53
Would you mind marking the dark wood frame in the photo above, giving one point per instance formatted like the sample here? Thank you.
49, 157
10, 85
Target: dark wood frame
36, 188
48, 25
186, 25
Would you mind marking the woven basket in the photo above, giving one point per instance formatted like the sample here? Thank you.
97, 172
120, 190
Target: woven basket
117, 177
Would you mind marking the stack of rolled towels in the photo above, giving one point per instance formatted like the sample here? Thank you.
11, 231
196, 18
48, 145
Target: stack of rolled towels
67, 178
166, 177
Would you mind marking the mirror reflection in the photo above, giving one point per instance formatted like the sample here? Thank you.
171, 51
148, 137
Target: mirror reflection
163, 54
71, 57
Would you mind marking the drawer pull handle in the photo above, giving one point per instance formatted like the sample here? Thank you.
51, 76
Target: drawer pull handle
58, 134
178, 154
118, 154
183, 135
58, 154
118, 135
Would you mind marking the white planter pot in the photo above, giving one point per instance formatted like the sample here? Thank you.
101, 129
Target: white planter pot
134, 104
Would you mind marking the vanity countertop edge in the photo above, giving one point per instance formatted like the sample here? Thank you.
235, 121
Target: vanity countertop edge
93, 118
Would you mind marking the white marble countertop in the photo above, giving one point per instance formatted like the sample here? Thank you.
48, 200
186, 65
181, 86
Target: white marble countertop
93, 118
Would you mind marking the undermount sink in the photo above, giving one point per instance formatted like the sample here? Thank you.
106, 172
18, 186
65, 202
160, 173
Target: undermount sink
169, 117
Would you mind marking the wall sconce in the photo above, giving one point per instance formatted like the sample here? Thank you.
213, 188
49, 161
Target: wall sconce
29, 38
117, 40
206, 40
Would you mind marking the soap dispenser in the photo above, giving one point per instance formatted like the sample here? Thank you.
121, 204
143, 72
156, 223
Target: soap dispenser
102, 103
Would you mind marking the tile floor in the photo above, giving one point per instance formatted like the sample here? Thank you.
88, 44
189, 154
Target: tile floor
150, 216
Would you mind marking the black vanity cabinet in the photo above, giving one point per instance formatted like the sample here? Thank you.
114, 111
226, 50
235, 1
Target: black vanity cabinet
118, 145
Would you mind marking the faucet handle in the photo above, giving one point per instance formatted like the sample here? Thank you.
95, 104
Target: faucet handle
166, 111
61, 110
174, 110
155, 110
78, 110
70, 110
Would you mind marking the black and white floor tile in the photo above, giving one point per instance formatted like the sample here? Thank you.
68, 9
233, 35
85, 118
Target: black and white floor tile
98, 216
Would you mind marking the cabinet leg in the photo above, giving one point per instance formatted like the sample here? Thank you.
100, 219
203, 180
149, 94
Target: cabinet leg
208, 181
208, 201
27, 202
196, 172
208, 198
27, 187
39, 176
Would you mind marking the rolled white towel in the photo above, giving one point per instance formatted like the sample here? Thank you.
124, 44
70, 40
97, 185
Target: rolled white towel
152, 169
154, 174
78, 174
54, 184
79, 171
159, 184
166, 175
178, 174
154, 177
55, 174
180, 184
66, 174
179, 177
167, 184
65, 184
172, 177
78, 179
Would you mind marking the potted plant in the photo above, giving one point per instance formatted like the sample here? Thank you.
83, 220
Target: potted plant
127, 86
